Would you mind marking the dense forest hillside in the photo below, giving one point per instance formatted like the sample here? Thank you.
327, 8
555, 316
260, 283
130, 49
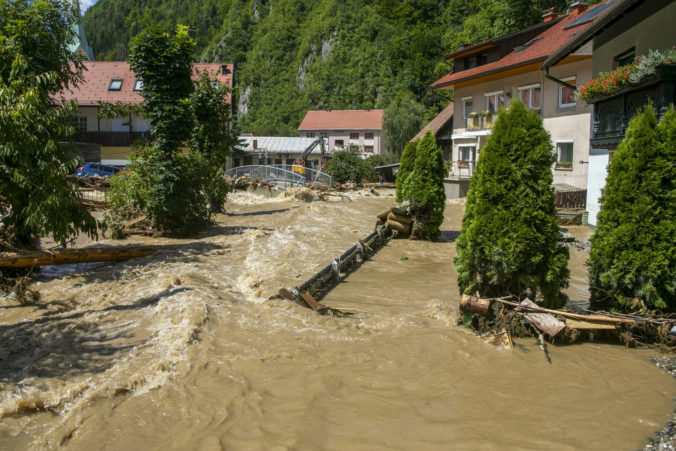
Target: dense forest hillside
295, 55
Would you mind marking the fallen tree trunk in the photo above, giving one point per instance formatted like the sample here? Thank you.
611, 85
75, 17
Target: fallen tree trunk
83, 255
403, 219
471, 304
399, 227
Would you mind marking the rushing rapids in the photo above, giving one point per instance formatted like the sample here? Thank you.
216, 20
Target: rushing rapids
183, 350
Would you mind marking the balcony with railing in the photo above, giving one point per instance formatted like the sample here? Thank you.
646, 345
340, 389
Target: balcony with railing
612, 114
462, 169
480, 121
111, 139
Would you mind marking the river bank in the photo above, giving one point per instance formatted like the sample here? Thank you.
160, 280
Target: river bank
183, 349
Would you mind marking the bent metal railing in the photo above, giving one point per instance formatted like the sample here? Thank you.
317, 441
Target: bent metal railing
282, 174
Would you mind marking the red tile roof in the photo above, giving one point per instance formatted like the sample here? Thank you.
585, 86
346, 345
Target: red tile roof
537, 49
435, 124
343, 120
98, 74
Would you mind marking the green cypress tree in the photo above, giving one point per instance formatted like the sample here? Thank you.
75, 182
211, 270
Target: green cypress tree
424, 189
405, 167
633, 257
509, 238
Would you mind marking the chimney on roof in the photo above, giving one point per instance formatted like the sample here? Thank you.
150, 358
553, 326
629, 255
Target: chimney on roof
577, 8
549, 14
255, 144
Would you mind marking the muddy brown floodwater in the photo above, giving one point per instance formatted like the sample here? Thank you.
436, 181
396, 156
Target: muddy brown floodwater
182, 350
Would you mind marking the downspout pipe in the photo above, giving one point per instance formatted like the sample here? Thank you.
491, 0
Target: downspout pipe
556, 80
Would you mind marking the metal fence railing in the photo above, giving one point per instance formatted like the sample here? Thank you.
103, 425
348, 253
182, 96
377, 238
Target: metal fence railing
282, 174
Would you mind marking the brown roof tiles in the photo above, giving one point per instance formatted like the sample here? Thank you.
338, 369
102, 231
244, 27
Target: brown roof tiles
343, 120
98, 74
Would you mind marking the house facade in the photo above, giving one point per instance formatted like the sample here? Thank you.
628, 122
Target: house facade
362, 129
488, 76
109, 140
627, 29
442, 129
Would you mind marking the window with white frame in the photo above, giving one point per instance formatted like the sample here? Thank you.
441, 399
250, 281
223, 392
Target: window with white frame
466, 155
564, 155
466, 107
495, 101
567, 94
79, 123
531, 96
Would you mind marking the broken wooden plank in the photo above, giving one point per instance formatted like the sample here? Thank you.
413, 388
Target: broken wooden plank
134, 222
589, 324
310, 301
82, 255
475, 305
501, 338
543, 321
539, 309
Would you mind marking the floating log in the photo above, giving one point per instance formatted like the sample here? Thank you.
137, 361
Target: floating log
471, 304
403, 219
589, 325
310, 301
598, 318
286, 294
543, 321
383, 214
83, 255
398, 226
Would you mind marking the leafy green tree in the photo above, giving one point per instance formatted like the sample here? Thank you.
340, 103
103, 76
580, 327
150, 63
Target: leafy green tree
423, 189
405, 167
633, 257
403, 119
35, 63
509, 239
166, 185
164, 64
213, 136
347, 166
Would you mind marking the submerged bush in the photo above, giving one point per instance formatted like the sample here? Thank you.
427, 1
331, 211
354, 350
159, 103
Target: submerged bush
509, 239
423, 189
633, 257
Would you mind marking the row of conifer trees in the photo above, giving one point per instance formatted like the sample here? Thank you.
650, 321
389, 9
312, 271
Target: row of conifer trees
509, 243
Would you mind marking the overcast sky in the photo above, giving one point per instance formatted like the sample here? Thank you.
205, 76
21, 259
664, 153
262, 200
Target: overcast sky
84, 4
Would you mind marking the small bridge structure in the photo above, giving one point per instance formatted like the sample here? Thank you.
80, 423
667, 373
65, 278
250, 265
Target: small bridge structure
285, 175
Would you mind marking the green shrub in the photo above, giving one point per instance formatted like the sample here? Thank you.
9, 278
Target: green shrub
346, 166
424, 189
168, 192
633, 257
405, 168
509, 239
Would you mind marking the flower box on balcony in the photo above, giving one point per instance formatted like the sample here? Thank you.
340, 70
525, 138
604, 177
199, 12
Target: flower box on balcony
565, 165
463, 164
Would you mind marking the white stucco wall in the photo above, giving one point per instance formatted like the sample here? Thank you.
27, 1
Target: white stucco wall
598, 171
575, 129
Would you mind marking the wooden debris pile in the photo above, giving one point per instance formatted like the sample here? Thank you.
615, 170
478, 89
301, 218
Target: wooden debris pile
98, 182
502, 317
396, 220
246, 182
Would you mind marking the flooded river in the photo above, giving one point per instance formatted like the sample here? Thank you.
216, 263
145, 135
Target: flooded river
183, 350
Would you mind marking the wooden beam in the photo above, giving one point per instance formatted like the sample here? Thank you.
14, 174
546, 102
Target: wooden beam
82, 255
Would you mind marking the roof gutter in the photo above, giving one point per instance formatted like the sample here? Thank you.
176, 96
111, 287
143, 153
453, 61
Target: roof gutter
556, 80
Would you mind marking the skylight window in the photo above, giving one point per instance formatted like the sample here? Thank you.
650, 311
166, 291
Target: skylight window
138, 85
526, 45
115, 85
